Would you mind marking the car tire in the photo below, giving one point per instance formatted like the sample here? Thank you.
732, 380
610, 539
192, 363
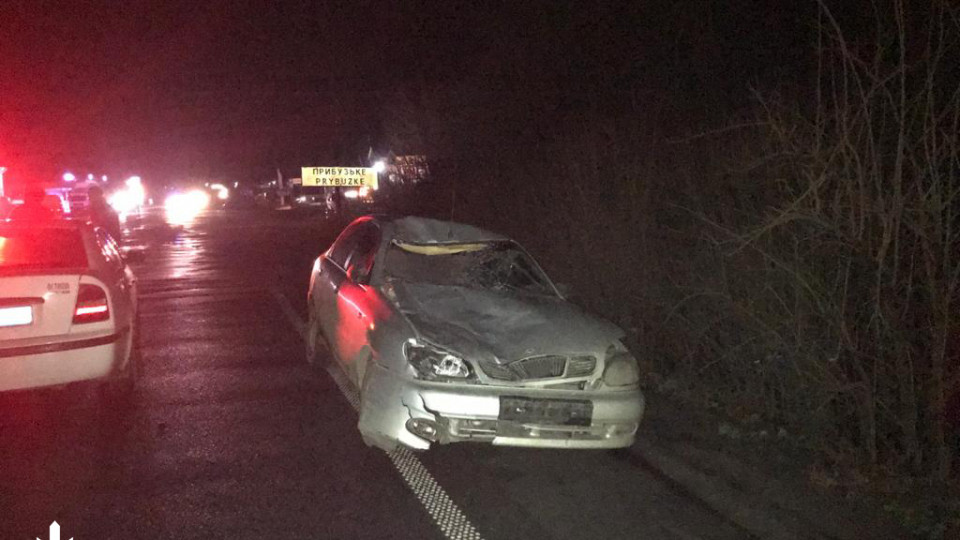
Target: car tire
314, 343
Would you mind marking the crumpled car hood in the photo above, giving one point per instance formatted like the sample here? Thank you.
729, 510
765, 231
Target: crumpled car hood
418, 230
501, 326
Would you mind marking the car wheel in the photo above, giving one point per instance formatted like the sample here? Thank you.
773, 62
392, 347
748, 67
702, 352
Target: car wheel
314, 342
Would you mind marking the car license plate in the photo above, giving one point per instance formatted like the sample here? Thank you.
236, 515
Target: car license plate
558, 412
16, 316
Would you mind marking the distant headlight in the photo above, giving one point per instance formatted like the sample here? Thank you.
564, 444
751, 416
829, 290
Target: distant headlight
182, 208
433, 363
620, 367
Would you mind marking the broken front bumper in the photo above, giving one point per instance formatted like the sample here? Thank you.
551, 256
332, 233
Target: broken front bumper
416, 413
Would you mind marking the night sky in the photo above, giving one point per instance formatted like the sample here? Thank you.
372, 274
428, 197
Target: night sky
175, 90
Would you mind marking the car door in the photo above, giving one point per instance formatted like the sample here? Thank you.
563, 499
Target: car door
356, 300
330, 275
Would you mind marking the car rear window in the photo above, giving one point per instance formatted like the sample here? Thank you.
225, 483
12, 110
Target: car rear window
41, 248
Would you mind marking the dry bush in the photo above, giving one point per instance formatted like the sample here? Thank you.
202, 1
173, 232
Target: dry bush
847, 285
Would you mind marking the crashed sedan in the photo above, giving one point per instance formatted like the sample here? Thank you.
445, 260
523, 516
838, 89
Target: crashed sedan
452, 333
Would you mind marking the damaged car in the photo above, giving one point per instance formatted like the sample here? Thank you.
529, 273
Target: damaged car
452, 333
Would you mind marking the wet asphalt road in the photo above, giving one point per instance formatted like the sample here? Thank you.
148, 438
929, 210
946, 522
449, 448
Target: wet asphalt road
232, 435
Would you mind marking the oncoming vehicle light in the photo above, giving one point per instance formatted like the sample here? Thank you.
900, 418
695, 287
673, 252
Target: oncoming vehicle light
123, 201
183, 208
222, 192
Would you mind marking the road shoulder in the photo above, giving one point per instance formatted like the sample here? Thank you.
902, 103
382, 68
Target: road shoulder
759, 482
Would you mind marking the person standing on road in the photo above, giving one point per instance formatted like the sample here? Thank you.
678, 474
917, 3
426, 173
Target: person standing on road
102, 215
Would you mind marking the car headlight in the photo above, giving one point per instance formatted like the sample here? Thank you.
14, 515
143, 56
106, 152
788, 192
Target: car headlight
620, 367
434, 363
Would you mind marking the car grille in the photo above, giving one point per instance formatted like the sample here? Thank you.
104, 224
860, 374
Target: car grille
498, 371
541, 367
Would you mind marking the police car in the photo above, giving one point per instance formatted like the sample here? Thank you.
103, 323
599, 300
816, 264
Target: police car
68, 306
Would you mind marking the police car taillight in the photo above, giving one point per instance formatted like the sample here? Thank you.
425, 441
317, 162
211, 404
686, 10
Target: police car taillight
92, 305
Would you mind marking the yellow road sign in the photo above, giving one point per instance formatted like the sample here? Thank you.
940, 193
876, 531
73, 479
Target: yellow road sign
339, 177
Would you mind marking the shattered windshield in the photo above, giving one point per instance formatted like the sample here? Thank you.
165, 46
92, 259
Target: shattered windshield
500, 265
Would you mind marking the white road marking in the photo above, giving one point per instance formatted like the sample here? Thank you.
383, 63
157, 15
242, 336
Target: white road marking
445, 513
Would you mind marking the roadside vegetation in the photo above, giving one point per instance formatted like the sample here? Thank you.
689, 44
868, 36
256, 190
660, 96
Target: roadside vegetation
792, 259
